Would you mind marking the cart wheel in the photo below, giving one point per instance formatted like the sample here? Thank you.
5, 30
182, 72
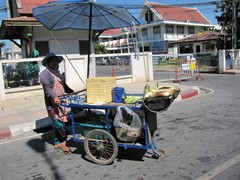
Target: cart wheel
100, 146
162, 153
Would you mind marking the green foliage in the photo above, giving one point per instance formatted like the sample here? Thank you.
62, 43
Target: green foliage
2, 44
100, 49
225, 19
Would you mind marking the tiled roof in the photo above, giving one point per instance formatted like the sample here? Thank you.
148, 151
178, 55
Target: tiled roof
177, 13
114, 31
111, 31
204, 36
28, 5
21, 18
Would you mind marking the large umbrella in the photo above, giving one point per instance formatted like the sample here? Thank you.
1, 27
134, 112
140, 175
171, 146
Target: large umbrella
60, 15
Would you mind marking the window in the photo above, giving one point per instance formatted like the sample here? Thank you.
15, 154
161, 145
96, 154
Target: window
104, 39
209, 46
42, 47
180, 30
156, 30
170, 48
144, 32
169, 29
191, 30
83, 47
186, 48
149, 16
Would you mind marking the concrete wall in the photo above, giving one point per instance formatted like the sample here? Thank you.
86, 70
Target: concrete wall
229, 60
75, 68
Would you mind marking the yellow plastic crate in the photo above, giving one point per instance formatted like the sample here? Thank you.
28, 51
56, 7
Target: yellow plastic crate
99, 89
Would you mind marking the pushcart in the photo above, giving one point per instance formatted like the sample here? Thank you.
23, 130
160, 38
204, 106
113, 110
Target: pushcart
100, 142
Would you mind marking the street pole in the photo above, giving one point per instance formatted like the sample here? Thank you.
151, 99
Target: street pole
9, 16
234, 26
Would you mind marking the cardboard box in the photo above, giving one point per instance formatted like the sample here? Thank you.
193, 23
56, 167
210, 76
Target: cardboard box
99, 89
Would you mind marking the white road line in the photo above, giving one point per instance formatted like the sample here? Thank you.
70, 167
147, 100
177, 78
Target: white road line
219, 169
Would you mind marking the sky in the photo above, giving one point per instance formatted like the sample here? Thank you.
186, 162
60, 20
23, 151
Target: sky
134, 6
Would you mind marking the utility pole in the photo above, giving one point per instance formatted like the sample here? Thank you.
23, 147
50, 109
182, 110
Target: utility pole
234, 26
9, 16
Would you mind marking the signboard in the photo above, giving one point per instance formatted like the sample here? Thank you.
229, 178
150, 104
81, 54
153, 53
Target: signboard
192, 66
185, 67
158, 46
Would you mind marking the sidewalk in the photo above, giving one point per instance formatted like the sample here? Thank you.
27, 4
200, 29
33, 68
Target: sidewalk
19, 116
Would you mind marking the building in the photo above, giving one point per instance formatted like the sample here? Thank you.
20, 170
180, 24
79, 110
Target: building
32, 35
13, 53
164, 24
207, 41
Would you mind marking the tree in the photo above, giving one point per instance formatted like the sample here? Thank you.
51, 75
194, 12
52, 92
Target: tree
100, 49
226, 17
2, 44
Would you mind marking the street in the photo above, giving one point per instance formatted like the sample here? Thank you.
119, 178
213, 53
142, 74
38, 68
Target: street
200, 135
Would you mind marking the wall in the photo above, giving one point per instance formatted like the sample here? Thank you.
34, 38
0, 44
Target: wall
234, 59
67, 40
75, 67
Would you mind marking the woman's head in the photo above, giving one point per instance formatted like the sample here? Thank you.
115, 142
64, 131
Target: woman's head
52, 61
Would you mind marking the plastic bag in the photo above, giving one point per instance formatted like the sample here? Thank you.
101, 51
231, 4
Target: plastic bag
125, 132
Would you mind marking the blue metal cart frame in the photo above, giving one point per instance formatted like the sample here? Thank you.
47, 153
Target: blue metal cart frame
99, 144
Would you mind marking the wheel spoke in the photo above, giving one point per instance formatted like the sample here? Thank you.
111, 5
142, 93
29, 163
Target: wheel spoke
100, 146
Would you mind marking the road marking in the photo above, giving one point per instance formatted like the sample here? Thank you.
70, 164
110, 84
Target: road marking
219, 169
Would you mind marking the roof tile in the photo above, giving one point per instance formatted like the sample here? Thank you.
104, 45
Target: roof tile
178, 13
28, 5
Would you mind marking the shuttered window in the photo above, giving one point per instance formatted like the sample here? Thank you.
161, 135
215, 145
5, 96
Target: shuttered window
42, 47
83, 47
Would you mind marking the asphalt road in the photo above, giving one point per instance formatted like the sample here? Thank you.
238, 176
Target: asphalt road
200, 135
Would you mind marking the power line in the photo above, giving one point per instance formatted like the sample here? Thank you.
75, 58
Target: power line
211, 3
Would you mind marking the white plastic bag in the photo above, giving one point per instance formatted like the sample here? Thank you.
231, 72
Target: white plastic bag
125, 132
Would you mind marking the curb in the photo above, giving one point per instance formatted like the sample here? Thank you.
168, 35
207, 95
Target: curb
194, 91
5, 133
21, 129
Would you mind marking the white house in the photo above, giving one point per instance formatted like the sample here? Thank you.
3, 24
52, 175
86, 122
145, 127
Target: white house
164, 24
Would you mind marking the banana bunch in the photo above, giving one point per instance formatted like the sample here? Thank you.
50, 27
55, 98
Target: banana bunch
132, 99
156, 91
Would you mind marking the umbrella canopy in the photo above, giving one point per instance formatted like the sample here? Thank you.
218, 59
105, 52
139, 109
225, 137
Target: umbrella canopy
90, 16
61, 15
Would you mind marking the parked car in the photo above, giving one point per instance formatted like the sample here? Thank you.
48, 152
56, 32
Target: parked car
124, 60
106, 61
113, 60
101, 61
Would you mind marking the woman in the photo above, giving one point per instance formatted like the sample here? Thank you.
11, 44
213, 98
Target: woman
54, 86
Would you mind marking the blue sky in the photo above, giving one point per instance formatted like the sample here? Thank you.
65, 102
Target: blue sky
135, 7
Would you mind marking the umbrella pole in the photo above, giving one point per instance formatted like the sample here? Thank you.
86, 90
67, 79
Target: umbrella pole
89, 39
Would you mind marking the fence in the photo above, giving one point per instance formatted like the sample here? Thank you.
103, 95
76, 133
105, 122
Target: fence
187, 68
19, 78
168, 67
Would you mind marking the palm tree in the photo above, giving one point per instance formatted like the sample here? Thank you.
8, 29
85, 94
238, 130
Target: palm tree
100, 49
2, 44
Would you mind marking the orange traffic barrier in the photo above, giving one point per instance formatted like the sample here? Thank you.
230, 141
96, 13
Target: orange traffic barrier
113, 72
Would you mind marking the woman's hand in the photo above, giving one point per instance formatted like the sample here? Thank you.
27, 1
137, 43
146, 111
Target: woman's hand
57, 101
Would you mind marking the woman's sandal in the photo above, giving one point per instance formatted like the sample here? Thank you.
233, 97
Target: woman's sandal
66, 150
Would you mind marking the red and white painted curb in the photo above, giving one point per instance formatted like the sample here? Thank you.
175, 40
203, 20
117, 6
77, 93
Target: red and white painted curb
20, 129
